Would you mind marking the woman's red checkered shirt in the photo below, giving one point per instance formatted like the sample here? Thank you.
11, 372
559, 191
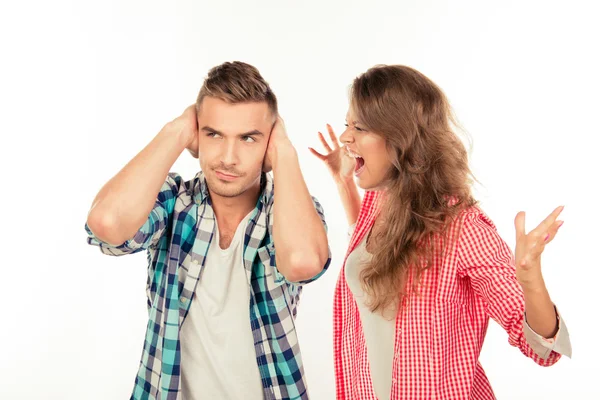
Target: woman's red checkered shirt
439, 333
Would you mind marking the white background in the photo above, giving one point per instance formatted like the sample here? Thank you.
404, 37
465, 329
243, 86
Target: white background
85, 85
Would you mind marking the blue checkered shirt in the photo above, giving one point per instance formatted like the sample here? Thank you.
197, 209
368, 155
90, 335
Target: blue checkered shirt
177, 236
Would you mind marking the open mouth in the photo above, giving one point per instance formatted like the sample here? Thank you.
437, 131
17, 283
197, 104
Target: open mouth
360, 165
360, 162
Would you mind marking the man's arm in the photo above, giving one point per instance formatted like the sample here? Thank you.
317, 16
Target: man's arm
299, 235
123, 204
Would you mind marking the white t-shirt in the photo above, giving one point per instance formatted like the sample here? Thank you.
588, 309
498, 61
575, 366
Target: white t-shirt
218, 360
379, 331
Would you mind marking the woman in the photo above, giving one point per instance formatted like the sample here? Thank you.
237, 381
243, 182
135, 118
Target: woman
426, 268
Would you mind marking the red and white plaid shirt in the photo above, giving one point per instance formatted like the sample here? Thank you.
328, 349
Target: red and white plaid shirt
439, 333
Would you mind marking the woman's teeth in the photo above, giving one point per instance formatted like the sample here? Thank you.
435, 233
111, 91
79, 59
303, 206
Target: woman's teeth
360, 162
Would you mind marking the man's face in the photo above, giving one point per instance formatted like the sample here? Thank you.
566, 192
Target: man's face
233, 140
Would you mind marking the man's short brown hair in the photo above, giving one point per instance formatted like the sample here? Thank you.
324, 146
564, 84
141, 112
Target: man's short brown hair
237, 82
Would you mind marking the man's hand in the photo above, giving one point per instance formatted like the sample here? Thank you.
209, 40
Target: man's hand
278, 141
186, 125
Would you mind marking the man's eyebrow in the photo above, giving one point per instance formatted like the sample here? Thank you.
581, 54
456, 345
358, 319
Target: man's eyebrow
254, 132
211, 130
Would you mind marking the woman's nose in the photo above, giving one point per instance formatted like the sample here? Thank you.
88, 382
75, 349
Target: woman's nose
346, 137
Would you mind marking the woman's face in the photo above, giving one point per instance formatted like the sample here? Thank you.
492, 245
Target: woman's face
370, 150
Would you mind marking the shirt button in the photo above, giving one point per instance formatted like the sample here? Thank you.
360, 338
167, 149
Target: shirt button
195, 262
184, 300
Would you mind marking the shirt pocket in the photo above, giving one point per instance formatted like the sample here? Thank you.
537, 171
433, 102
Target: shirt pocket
456, 293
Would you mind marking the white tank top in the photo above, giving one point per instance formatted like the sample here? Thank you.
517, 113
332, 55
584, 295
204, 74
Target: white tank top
379, 332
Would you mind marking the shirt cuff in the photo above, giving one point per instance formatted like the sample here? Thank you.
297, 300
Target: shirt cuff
560, 343
112, 250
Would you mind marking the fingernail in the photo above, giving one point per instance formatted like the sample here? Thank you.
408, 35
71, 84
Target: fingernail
560, 224
547, 237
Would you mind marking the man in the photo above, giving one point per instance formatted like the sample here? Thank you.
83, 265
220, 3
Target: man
226, 262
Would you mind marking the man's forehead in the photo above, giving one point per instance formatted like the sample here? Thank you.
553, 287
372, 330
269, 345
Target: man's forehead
258, 112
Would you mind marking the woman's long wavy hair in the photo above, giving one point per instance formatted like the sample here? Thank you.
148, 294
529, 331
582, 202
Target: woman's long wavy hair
429, 182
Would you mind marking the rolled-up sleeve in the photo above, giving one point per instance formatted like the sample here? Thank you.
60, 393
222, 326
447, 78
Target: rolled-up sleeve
543, 347
153, 229
488, 262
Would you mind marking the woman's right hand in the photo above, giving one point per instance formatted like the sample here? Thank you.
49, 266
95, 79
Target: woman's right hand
340, 164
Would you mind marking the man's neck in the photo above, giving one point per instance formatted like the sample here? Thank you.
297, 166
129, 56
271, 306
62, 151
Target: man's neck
230, 211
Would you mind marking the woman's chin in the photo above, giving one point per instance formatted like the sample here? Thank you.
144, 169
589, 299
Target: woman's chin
365, 183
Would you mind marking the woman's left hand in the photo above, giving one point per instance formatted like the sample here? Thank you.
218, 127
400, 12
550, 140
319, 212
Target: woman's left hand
529, 247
